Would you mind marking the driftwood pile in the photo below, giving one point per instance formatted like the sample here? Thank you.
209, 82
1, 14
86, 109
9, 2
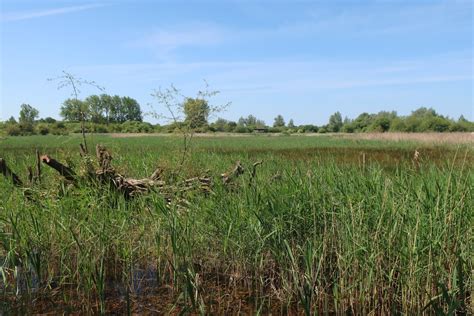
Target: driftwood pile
106, 175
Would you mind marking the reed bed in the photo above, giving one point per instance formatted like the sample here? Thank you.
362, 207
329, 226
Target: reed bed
326, 226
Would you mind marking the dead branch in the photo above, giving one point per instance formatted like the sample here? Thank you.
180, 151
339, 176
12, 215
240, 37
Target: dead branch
83, 151
104, 158
31, 177
129, 187
233, 174
7, 173
276, 177
254, 169
38, 166
64, 171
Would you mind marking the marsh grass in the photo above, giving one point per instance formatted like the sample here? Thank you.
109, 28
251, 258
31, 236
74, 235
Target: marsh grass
335, 234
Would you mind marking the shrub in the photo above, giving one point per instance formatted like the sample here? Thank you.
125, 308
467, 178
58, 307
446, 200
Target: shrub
42, 129
241, 129
13, 130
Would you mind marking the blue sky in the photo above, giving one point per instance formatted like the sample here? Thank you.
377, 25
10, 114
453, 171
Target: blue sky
302, 59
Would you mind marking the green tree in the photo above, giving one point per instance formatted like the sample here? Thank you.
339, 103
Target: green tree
96, 108
196, 112
335, 122
131, 109
107, 106
74, 110
220, 125
279, 121
28, 114
117, 114
291, 124
11, 121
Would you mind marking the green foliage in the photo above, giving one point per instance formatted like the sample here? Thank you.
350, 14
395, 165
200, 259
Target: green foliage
279, 121
28, 115
13, 130
102, 109
42, 129
331, 234
136, 127
251, 122
335, 123
196, 112
291, 124
74, 110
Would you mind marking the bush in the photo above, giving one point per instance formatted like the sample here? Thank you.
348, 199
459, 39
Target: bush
13, 130
241, 129
275, 129
136, 127
42, 129
58, 128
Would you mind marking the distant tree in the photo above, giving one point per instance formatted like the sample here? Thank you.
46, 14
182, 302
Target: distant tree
95, 108
49, 120
11, 121
242, 121
335, 122
398, 125
132, 109
291, 124
381, 124
196, 112
220, 125
260, 124
107, 107
28, 114
117, 113
279, 121
251, 122
74, 110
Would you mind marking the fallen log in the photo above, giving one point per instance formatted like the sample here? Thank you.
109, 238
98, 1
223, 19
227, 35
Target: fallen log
38, 166
254, 170
63, 170
234, 173
9, 174
129, 187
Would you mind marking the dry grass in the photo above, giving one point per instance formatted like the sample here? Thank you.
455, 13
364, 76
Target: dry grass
434, 138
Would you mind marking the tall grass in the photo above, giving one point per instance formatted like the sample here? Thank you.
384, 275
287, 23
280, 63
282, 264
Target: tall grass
334, 234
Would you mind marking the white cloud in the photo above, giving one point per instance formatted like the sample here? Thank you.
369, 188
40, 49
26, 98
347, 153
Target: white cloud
166, 40
18, 16
290, 76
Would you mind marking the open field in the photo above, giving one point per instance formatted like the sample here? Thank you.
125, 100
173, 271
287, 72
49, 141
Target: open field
432, 138
326, 224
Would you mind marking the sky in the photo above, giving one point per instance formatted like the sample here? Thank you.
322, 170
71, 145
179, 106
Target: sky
302, 59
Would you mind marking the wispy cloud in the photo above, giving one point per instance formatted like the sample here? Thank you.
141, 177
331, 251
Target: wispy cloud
18, 16
166, 40
292, 76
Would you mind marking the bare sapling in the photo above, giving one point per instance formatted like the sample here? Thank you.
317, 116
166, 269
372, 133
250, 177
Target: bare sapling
68, 80
186, 114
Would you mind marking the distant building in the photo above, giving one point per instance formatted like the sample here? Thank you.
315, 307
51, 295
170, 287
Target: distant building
260, 130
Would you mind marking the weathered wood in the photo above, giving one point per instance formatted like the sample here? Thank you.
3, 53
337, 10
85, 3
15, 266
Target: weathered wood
9, 174
254, 168
83, 150
234, 173
38, 166
63, 170
31, 176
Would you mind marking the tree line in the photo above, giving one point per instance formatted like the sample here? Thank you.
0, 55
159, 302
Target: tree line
105, 113
102, 108
421, 120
